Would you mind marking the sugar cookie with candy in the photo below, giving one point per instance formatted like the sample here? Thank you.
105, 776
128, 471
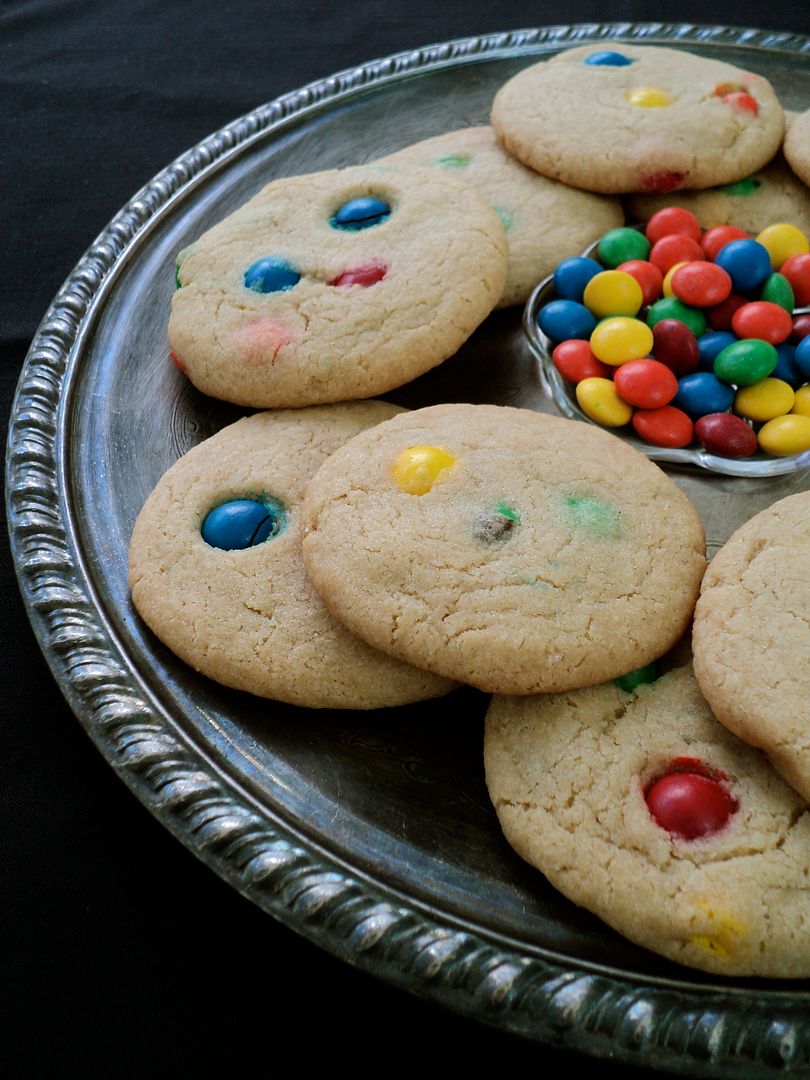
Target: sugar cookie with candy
638, 118
336, 286
639, 806
797, 146
774, 193
215, 567
545, 221
501, 547
752, 636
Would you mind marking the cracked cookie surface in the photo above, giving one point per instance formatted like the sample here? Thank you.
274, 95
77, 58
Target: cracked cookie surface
545, 221
567, 774
657, 121
752, 636
508, 549
249, 618
283, 305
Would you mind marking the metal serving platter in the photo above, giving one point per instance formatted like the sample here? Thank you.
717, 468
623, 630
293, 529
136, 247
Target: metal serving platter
369, 833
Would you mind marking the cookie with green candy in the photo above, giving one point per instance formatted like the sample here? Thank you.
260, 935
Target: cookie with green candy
509, 549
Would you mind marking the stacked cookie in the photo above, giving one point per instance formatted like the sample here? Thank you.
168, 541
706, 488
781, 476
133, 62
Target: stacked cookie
343, 553
644, 122
687, 840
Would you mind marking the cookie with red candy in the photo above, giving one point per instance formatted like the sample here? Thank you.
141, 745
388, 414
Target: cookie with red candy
639, 806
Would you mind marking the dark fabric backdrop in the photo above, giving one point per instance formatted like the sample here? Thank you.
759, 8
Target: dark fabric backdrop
120, 953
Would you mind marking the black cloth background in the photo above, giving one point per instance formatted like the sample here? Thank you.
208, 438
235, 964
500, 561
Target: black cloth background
120, 953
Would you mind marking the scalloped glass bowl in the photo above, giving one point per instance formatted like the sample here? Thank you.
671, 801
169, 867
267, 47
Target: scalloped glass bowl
564, 397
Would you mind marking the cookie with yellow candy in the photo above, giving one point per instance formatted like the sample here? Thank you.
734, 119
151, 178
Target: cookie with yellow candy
215, 567
512, 550
638, 118
639, 806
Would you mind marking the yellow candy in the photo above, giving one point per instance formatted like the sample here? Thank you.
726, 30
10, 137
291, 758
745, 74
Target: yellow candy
786, 435
764, 400
600, 401
782, 241
417, 468
801, 404
648, 97
668, 278
613, 292
615, 341
725, 934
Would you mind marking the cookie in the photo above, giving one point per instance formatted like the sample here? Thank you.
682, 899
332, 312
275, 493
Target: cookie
772, 194
545, 221
247, 617
752, 636
508, 549
797, 146
638, 118
336, 286
643, 809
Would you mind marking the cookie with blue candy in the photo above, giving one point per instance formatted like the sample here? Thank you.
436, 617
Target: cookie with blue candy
336, 286
215, 567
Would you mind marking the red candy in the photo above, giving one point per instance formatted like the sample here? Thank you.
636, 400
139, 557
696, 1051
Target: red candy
645, 383
674, 249
662, 181
575, 361
801, 328
741, 102
648, 276
719, 236
701, 284
366, 274
763, 320
719, 317
690, 801
666, 426
726, 435
676, 346
672, 220
797, 270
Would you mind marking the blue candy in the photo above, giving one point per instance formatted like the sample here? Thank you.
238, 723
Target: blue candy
572, 275
747, 263
786, 367
702, 393
243, 523
271, 274
361, 214
564, 319
802, 357
711, 344
607, 59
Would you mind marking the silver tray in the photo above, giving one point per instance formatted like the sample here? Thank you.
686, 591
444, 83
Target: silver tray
370, 834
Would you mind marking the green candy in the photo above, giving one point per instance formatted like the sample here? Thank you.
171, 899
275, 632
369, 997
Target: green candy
670, 307
593, 516
741, 187
453, 161
633, 679
505, 216
746, 362
778, 290
622, 245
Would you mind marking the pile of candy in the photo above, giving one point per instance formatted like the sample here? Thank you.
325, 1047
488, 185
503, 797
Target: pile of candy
687, 334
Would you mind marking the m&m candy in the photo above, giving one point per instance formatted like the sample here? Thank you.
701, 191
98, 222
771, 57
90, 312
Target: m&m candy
688, 327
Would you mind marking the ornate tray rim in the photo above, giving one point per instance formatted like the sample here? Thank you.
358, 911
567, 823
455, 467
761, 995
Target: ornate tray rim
698, 1030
